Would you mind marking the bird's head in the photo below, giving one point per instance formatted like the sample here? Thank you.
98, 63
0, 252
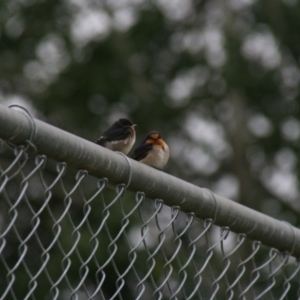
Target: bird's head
125, 123
154, 138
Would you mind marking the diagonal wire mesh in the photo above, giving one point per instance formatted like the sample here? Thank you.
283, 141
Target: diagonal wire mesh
65, 234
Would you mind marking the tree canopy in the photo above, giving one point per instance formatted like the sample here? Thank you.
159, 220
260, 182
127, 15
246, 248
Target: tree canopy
219, 80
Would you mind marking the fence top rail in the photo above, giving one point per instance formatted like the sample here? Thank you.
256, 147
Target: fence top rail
100, 162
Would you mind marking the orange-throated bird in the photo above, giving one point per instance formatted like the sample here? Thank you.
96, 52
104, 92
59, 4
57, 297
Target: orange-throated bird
153, 151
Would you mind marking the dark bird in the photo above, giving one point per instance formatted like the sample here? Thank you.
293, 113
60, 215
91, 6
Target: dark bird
153, 151
119, 137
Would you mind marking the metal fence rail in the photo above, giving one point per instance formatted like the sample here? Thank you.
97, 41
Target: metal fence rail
76, 222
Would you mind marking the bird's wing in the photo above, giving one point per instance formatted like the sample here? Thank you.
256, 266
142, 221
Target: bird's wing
114, 134
141, 151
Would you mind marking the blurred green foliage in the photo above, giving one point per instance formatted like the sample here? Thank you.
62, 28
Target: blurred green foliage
219, 79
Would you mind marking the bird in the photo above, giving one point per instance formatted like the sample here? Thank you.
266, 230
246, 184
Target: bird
119, 137
153, 151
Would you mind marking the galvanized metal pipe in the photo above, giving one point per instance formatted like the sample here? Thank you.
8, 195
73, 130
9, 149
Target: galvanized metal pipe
79, 153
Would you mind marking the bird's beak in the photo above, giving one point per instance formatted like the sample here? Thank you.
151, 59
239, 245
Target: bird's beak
134, 125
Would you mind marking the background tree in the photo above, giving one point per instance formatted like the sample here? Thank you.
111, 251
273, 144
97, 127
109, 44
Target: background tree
219, 80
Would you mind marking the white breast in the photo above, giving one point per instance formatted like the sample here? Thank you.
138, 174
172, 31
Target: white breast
122, 146
157, 157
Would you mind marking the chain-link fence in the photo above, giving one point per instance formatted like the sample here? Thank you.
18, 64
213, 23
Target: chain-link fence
65, 234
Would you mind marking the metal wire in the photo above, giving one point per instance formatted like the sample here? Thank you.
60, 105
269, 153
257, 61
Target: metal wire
65, 234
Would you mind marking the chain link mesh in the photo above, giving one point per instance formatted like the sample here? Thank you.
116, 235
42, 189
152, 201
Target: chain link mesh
67, 235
